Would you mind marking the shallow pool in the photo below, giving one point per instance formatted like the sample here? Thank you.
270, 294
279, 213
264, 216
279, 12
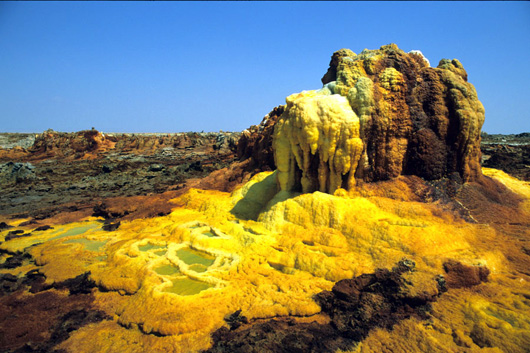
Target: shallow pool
90, 245
209, 234
77, 231
167, 270
198, 261
187, 286
150, 246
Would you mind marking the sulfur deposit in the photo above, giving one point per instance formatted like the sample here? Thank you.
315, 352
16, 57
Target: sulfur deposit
167, 283
381, 114
318, 138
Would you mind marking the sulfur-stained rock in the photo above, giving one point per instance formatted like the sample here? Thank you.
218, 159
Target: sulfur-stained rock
355, 307
4, 225
381, 114
331, 75
15, 260
168, 282
316, 143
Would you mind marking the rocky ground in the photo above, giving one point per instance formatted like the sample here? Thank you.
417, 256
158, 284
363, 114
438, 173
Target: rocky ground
45, 174
67, 172
54, 177
510, 153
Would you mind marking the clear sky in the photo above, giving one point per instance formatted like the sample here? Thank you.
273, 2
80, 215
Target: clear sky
210, 66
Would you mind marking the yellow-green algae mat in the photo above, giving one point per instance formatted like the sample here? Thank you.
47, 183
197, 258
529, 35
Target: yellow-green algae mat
168, 282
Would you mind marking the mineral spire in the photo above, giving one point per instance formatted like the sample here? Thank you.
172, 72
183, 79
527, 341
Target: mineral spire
381, 113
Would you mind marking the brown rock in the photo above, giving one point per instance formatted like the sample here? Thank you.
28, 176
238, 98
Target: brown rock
422, 121
331, 75
40, 320
460, 275
255, 143
73, 145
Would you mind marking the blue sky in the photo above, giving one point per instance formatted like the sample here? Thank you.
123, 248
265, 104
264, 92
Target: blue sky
210, 66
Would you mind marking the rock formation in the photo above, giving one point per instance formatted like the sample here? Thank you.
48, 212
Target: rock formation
380, 114
510, 153
255, 142
317, 143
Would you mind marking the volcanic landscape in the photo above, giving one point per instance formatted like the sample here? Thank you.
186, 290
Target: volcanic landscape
371, 215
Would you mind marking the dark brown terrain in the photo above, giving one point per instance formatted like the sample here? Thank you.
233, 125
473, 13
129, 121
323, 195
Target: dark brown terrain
510, 153
74, 172
55, 172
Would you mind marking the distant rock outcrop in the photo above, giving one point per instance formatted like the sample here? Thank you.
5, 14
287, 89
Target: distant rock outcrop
87, 144
78, 144
86, 167
510, 153
380, 114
